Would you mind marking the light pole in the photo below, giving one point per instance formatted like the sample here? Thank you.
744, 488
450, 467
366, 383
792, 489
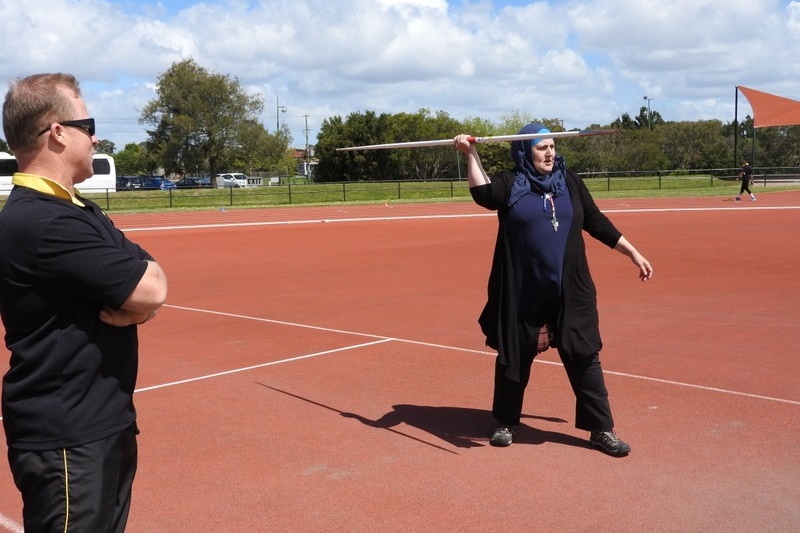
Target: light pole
278, 109
648, 112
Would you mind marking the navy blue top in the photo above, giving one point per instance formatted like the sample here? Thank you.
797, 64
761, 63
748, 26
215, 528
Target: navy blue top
577, 332
537, 251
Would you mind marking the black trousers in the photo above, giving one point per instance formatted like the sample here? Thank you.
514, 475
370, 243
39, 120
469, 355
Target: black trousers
82, 489
745, 187
592, 410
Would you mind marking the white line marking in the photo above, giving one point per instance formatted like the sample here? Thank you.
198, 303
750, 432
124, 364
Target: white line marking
280, 322
262, 365
382, 339
703, 387
429, 217
10, 525
684, 209
312, 221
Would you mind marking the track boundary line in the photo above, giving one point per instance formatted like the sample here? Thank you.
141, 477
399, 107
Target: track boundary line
273, 321
703, 387
10, 525
381, 339
684, 209
261, 365
429, 217
308, 221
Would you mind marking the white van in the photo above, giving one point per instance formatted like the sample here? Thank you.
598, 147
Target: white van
237, 179
104, 178
8, 165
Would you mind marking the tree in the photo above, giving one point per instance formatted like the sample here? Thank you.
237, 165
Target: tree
4, 146
776, 146
105, 147
257, 149
198, 116
134, 159
666, 146
645, 119
642, 121
624, 122
358, 165
697, 144
428, 164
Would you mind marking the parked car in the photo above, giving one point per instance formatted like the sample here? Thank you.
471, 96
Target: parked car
129, 183
156, 182
192, 182
234, 179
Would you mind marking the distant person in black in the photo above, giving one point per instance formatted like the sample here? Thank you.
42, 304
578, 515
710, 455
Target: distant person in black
746, 175
73, 289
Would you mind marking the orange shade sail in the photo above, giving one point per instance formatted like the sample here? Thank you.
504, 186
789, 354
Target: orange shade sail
771, 110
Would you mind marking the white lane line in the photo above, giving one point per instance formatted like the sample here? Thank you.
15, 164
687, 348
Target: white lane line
310, 221
482, 352
428, 217
10, 525
261, 365
703, 387
271, 321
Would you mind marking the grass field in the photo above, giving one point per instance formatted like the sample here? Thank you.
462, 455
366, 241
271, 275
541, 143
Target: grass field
398, 191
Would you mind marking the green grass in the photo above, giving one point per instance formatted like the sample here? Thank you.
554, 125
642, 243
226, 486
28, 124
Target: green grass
374, 192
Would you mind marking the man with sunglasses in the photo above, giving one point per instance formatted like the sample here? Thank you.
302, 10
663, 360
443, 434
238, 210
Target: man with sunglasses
73, 290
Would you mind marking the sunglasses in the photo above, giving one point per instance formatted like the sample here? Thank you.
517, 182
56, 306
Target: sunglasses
86, 124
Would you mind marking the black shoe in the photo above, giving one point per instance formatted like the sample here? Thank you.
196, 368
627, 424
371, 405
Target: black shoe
608, 442
503, 435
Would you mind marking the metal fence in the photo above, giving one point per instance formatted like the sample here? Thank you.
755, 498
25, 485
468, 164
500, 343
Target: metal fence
373, 191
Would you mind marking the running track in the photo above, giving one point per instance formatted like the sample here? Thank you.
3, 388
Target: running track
320, 369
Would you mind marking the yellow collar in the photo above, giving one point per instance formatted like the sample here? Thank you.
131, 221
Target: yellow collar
46, 186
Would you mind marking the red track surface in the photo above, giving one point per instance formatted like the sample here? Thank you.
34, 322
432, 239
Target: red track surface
331, 376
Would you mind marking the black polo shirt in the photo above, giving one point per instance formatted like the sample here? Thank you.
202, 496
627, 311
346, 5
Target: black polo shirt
71, 376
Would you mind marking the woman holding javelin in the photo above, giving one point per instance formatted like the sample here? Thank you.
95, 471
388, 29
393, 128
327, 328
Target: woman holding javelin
540, 291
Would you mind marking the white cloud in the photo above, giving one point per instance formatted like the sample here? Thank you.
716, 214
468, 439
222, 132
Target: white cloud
582, 61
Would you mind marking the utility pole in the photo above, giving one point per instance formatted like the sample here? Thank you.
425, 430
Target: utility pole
648, 113
278, 109
735, 125
308, 162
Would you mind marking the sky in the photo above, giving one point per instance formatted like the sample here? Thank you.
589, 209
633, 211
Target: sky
582, 61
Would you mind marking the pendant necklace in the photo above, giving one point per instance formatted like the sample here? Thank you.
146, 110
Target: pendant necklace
553, 220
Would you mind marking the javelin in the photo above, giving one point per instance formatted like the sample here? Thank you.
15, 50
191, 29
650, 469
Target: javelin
478, 140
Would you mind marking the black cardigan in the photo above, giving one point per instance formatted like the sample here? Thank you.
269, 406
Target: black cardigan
577, 332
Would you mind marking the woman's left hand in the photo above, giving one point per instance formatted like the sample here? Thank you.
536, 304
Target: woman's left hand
645, 270
625, 247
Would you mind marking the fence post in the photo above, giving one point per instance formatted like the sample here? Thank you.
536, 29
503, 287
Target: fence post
344, 191
290, 193
399, 196
230, 202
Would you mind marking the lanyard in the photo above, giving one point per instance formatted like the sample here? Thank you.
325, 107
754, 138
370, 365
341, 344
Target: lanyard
553, 220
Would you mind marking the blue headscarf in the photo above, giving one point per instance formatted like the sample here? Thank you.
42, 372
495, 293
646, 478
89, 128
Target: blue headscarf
528, 179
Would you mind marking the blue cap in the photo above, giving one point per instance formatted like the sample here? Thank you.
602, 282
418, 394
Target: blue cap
534, 127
